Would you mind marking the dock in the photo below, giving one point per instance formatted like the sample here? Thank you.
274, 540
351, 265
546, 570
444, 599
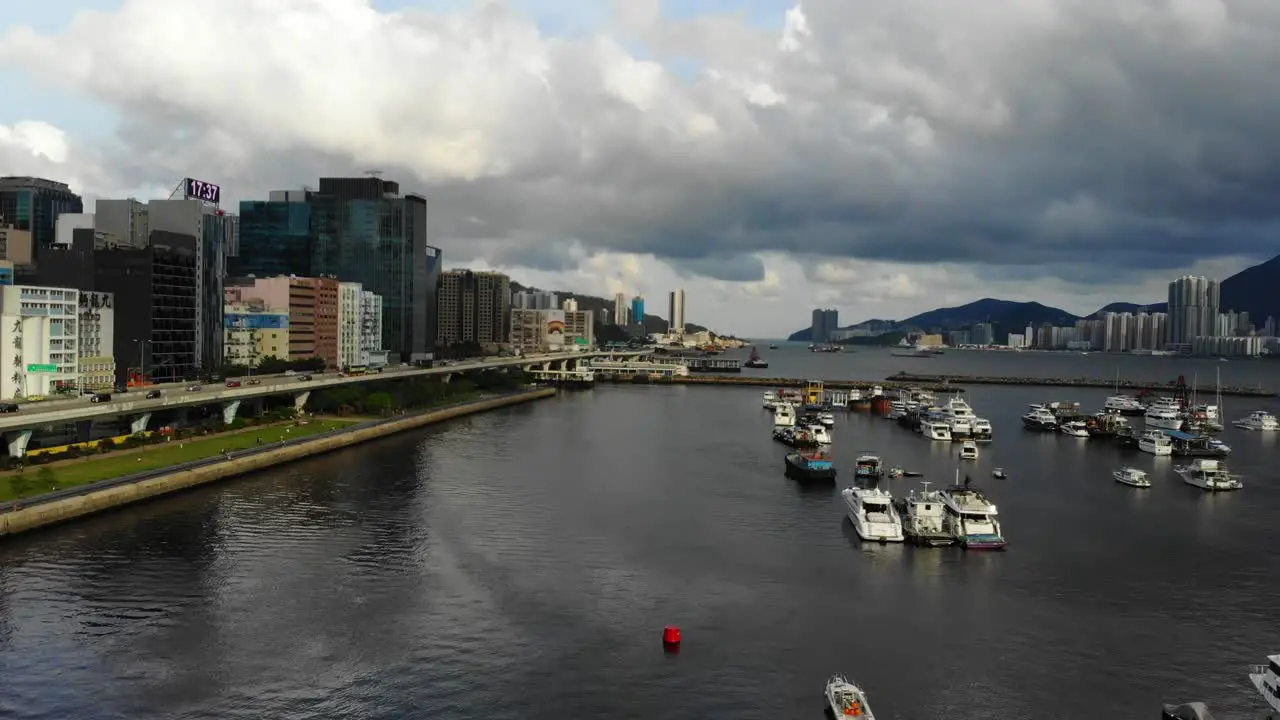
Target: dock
949, 381
712, 365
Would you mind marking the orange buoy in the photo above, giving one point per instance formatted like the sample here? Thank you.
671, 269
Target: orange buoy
671, 636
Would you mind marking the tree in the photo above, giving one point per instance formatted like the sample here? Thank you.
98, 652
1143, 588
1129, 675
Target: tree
378, 402
20, 485
45, 478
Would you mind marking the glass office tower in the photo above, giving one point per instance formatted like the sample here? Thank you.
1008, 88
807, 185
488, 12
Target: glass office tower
34, 204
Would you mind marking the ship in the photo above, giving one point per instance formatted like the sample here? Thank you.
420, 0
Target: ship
755, 361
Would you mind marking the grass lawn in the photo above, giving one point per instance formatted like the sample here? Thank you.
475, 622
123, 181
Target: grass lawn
35, 480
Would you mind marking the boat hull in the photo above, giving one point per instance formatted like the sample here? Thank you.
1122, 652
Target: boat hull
1039, 425
797, 471
929, 539
982, 542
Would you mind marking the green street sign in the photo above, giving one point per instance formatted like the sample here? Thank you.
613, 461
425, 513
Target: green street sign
42, 368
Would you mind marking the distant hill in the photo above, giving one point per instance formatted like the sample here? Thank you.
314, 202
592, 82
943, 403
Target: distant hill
1251, 290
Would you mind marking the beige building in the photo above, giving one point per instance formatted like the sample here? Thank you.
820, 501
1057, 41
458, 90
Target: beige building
253, 332
15, 245
475, 307
535, 331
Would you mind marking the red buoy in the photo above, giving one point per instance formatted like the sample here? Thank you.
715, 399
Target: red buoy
671, 636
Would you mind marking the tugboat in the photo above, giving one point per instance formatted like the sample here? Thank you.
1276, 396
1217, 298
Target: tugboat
754, 361
810, 465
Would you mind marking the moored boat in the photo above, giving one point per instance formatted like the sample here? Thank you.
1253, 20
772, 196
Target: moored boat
1132, 477
1209, 475
1039, 417
924, 518
868, 465
873, 515
1155, 442
1259, 420
755, 361
810, 465
971, 517
1266, 679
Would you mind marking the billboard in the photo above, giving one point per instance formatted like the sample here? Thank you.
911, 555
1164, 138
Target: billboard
201, 190
554, 328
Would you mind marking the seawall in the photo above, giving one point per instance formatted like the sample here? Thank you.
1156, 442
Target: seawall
38, 512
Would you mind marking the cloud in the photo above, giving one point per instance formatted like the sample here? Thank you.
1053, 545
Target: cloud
911, 146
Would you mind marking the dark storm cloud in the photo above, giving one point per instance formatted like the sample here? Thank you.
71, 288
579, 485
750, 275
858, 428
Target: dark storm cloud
1079, 137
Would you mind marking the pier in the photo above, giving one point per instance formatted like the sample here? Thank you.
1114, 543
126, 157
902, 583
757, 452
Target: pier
565, 378
948, 381
713, 365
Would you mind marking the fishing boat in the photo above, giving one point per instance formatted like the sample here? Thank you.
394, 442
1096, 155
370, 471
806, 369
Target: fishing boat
1132, 477
924, 518
868, 465
755, 361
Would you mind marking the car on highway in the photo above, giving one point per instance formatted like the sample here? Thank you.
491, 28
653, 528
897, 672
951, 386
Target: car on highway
233, 383
254, 382
9, 408
303, 378
100, 397
153, 394
195, 388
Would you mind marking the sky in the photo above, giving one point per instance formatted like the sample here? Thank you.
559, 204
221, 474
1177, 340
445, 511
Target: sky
768, 157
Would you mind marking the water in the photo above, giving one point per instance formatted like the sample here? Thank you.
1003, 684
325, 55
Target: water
522, 564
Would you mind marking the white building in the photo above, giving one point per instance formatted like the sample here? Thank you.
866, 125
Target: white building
534, 300
621, 310
675, 312
97, 323
372, 353
551, 330
38, 340
349, 317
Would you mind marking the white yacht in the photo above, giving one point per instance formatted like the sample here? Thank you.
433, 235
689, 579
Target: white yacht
1132, 477
827, 418
868, 465
1163, 416
1266, 678
1075, 428
971, 518
1210, 416
770, 399
784, 415
1039, 417
1260, 420
969, 450
819, 434
980, 429
846, 700
1209, 475
935, 430
959, 415
1155, 442
924, 518
873, 514
1123, 404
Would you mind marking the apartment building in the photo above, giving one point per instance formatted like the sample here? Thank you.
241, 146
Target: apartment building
38, 340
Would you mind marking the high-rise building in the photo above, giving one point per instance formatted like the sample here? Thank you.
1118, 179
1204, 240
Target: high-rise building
128, 220
208, 225
16, 246
825, 323
535, 300
675, 312
475, 307
637, 310
349, 295
621, 311
357, 230
253, 331
1193, 310
34, 204
983, 334
372, 354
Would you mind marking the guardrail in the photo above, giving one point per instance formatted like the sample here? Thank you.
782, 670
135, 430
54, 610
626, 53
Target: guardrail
109, 483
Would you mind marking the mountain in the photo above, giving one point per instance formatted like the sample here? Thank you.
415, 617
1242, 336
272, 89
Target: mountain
1251, 290
1128, 307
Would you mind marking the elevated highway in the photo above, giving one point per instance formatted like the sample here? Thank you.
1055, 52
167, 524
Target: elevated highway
136, 408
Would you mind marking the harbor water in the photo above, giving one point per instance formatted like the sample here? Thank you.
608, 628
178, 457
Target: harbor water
523, 564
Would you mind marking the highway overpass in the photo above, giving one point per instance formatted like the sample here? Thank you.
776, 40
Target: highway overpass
135, 408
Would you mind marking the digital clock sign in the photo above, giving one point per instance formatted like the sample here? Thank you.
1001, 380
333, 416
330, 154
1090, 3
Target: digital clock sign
201, 190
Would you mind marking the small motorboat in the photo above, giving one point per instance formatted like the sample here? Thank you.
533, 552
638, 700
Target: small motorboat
1132, 477
999, 474
897, 472
969, 450
846, 700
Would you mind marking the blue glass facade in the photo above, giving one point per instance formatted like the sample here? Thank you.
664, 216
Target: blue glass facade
357, 230
34, 204
6, 273
637, 310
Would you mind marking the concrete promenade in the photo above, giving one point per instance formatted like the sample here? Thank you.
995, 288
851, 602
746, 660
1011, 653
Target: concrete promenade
64, 505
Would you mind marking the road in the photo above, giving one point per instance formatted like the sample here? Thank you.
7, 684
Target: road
175, 395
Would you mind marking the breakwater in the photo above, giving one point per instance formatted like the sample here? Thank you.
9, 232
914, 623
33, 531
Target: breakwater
781, 382
63, 505
945, 381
